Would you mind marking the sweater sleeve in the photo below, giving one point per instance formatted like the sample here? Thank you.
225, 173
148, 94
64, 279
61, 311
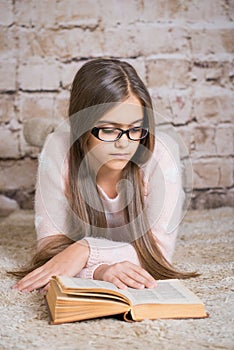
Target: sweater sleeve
165, 195
104, 251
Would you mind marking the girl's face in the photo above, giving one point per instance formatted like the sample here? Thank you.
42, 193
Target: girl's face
115, 155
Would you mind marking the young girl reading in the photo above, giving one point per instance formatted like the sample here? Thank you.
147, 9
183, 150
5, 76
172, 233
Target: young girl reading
108, 195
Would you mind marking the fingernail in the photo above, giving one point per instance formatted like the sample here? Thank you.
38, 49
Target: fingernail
24, 290
14, 287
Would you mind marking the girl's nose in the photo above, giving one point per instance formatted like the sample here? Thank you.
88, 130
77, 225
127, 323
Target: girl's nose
122, 142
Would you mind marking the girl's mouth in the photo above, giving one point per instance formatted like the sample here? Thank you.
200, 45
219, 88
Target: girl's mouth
120, 155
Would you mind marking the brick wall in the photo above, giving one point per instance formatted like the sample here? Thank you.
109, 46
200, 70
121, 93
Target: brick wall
182, 49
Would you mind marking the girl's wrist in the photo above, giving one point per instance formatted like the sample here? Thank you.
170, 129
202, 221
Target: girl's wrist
98, 273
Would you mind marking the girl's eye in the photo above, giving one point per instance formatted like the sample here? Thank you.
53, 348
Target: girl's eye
108, 131
136, 129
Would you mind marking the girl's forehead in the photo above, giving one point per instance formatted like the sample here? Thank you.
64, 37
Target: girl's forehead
124, 113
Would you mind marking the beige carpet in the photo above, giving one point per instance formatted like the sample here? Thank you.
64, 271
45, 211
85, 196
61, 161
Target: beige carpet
205, 243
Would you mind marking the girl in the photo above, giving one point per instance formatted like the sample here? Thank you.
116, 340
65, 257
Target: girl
108, 193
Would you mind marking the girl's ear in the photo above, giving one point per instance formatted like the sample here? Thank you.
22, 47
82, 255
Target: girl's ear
36, 130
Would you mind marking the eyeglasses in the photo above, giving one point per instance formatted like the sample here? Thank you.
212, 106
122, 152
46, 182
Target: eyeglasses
109, 134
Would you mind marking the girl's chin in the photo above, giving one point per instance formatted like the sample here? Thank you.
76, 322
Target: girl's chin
116, 164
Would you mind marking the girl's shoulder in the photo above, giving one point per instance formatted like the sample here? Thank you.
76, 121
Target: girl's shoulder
57, 144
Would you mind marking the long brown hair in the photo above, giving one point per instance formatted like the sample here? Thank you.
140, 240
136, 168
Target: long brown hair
98, 84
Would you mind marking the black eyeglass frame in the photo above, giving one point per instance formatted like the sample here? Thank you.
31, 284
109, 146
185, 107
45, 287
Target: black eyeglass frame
95, 132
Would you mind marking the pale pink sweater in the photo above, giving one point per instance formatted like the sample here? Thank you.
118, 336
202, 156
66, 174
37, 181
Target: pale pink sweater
163, 202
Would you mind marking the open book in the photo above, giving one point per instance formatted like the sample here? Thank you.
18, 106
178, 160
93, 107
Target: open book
74, 299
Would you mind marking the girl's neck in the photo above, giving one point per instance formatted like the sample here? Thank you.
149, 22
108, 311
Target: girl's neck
107, 179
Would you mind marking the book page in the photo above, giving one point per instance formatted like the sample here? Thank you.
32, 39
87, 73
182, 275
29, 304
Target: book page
101, 289
83, 283
166, 292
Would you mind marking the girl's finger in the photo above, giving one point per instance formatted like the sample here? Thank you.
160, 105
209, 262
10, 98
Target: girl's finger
130, 282
136, 276
30, 275
150, 281
116, 281
37, 284
45, 289
27, 282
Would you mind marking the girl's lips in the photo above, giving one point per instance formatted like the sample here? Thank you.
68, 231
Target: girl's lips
120, 155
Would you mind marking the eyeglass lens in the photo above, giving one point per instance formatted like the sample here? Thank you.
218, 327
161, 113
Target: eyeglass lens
112, 134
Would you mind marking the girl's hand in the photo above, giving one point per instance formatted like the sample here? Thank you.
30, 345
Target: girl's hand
125, 274
69, 262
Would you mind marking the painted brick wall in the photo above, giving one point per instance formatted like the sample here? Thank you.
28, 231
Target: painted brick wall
182, 49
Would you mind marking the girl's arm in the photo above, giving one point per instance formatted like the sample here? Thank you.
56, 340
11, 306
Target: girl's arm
51, 219
104, 251
68, 262
115, 262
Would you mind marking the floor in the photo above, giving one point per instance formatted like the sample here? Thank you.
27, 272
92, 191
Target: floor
205, 244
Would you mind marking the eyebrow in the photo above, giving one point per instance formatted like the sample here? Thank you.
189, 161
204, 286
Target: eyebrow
109, 122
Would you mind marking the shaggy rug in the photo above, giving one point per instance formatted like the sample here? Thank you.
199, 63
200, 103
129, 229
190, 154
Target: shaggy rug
205, 244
